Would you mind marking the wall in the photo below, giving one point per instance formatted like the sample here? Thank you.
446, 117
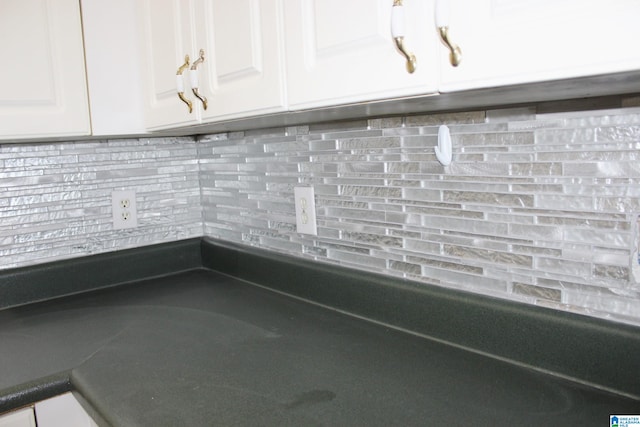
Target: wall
55, 198
536, 207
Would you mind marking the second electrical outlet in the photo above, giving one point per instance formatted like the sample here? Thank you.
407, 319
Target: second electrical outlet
305, 210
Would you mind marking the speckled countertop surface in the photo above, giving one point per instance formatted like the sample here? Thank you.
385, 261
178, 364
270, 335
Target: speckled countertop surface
201, 348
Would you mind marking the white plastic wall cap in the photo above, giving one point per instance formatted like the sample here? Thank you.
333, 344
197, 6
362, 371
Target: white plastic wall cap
444, 149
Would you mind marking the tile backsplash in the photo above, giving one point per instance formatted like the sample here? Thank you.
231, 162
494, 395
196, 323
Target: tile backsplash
539, 208
56, 197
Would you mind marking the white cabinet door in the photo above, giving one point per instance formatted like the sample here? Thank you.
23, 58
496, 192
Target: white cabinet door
113, 67
43, 91
165, 41
20, 418
62, 411
243, 43
342, 52
507, 42
241, 74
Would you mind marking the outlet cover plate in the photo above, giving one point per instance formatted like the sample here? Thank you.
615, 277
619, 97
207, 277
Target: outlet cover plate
124, 209
305, 210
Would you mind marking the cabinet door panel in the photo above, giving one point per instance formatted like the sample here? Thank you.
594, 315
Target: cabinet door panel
166, 39
33, 53
236, 34
517, 41
343, 52
42, 80
329, 32
111, 40
19, 418
62, 411
242, 72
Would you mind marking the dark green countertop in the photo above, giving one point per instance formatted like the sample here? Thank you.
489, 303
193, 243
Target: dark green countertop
202, 348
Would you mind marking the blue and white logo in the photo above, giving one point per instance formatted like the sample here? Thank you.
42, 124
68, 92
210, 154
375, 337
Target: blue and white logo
624, 421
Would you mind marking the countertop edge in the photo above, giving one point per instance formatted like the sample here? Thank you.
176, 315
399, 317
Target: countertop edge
35, 391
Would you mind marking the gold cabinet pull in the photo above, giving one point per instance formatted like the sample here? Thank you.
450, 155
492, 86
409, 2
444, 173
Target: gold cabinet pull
180, 83
193, 73
398, 33
442, 22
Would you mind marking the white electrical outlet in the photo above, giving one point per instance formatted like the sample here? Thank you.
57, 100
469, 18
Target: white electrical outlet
123, 206
305, 210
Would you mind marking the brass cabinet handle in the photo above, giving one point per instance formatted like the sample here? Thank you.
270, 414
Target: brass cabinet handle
193, 73
442, 22
180, 83
397, 32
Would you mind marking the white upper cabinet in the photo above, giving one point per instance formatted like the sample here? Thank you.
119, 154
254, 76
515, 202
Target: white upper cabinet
341, 52
249, 58
43, 90
234, 62
507, 42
